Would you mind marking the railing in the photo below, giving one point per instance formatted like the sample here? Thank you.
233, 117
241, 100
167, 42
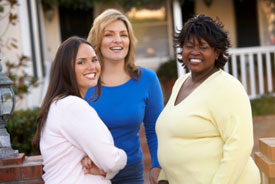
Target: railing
255, 68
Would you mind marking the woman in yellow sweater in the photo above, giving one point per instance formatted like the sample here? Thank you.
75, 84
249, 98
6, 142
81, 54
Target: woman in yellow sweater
205, 132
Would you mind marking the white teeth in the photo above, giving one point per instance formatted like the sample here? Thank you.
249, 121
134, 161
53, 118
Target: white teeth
92, 75
195, 60
116, 48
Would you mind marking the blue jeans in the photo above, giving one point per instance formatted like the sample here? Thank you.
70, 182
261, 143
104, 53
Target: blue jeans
130, 174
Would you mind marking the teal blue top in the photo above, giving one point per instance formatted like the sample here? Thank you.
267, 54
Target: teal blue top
123, 108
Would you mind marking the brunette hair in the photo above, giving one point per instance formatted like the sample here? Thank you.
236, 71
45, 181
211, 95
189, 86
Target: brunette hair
62, 83
204, 27
96, 34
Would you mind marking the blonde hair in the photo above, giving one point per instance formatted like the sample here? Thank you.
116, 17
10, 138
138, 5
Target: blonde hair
96, 34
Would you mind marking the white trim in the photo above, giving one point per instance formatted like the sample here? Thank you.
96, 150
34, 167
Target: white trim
24, 29
178, 26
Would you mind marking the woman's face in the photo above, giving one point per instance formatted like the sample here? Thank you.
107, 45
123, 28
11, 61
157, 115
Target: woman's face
198, 57
115, 42
87, 68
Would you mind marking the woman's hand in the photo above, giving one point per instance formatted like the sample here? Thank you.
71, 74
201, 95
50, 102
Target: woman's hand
90, 168
154, 174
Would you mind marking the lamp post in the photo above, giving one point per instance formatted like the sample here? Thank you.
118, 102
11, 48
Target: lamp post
7, 102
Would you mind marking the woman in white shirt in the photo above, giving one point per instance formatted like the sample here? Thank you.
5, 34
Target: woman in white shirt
68, 127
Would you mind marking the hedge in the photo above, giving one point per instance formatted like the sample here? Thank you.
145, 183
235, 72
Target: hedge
21, 127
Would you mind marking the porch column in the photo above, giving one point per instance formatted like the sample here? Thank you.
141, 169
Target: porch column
177, 16
32, 45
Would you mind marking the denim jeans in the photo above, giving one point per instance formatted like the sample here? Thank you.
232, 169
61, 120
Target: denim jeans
131, 174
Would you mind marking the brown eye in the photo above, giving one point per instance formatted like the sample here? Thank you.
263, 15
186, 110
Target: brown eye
189, 46
94, 60
80, 62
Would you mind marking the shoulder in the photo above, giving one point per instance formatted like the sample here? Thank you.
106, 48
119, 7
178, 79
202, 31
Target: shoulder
69, 100
72, 103
228, 82
147, 73
148, 79
228, 88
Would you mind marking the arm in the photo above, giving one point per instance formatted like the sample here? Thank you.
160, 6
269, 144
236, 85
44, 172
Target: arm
154, 174
90, 168
154, 106
85, 130
232, 115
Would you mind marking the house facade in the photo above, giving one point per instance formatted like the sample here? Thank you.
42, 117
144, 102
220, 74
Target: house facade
39, 30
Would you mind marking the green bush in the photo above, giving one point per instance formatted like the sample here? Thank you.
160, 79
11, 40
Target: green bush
263, 106
21, 127
167, 71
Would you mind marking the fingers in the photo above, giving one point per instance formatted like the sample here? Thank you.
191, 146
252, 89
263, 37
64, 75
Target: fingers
82, 161
86, 171
90, 168
86, 162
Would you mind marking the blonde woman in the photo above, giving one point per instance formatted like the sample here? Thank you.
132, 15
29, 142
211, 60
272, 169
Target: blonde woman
130, 94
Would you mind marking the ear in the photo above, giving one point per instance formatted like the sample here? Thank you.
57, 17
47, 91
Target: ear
217, 54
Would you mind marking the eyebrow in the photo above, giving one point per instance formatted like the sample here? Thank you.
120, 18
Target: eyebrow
85, 58
114, 31
201, 42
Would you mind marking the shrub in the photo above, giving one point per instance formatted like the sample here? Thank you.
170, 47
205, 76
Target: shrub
167, 71
263, 106
21, 127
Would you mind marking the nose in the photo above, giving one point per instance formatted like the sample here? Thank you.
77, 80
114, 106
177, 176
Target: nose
91, 65
117, 38
195, 51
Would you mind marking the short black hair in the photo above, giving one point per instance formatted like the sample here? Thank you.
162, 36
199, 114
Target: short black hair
212, 31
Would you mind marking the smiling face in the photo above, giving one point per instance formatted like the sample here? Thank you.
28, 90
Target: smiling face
199, 57
87, 68
115, 42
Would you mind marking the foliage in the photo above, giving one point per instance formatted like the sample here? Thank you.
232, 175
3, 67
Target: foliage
22, 81
88, 4
167, 71
263, 106
72, 4
22, 126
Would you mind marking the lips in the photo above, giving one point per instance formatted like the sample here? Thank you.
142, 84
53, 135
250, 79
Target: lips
195, 61
116, 48
90, 75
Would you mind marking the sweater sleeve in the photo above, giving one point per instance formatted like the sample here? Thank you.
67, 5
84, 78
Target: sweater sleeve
154, 106
233, 118
85, 130
162, 175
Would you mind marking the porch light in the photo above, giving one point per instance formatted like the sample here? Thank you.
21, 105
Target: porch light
7, 102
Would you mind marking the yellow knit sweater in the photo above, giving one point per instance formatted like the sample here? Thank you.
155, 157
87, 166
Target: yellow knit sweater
208, 137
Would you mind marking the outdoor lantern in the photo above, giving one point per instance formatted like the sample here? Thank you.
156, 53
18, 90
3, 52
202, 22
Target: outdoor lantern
7, 102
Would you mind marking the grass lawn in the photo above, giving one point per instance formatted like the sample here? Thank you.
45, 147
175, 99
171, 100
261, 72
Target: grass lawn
263, 106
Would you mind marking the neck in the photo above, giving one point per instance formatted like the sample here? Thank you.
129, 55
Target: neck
82, 93
200, 77
114, 74
112, 68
